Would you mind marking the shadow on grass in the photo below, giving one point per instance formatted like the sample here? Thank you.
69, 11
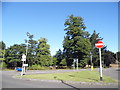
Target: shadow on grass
67, 83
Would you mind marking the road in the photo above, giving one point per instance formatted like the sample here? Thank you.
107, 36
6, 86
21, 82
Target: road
8, 81
111, 72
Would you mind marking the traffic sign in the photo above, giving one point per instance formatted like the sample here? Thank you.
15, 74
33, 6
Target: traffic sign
23, 56
25, 65
99, 44
23, 59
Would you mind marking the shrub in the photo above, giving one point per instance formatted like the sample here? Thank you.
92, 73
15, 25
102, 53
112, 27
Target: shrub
37, 67
3, 65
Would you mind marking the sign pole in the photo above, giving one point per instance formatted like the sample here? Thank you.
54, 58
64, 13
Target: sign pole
91, 63
99, 45
100, 65
23, 65
77, 64
22, 69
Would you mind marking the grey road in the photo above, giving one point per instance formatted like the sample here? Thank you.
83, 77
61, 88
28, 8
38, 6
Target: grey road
111, 72
8, 81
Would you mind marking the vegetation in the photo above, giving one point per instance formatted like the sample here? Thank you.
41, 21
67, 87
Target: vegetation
83, 76
3, 65
43, 53
13, 55
77, 44
38, 67
2, 45
118, 56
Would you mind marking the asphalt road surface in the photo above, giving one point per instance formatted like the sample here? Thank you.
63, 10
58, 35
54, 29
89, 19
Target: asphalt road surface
8, 81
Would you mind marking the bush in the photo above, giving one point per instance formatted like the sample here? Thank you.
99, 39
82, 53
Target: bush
61, 67
37, 67
3, 65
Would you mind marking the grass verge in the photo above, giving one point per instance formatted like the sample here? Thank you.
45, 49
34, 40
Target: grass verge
82, 76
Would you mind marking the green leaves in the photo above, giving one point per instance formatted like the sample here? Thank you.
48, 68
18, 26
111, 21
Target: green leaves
76, 43
43, 53
2, 45
13, 55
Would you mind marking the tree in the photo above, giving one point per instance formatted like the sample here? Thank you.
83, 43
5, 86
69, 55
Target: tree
43, 53
109, 58
59, 56
118, 56
2, 54
31, 49
54, 61
76, 43
94, 38
63, 62
2, 50
2, 45
13, 55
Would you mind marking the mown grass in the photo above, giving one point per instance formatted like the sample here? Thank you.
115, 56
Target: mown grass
82, 76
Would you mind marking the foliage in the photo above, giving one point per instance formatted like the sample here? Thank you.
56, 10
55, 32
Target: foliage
13, 55
63, 62
76, 43
94, 38
2, 50
3, 65
54, 61
2, 45
37, 67
31, 49
108, 58
43, 53
59, 56
118, 56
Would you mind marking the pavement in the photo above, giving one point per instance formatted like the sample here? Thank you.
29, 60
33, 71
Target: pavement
9, 81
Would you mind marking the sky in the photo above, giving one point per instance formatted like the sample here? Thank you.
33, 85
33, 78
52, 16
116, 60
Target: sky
46, 19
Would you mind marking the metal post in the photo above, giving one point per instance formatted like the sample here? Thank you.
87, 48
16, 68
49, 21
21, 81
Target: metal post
27, 48
77, 64
100, 65
74, 63
26, 52
91, 63
22, 69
